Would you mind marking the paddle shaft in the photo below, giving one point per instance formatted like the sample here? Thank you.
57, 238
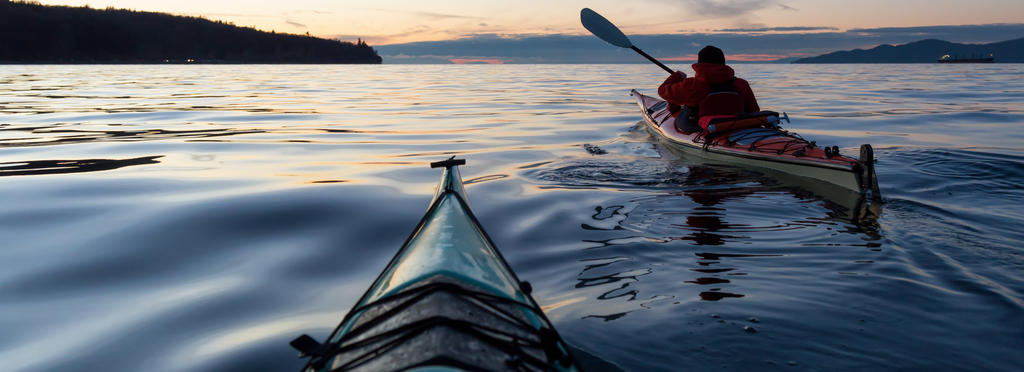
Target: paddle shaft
652, 59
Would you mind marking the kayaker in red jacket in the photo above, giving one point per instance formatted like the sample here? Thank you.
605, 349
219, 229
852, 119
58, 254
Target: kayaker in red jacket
711, 74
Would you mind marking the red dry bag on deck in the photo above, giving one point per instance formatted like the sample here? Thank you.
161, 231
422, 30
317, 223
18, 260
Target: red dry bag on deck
726, 123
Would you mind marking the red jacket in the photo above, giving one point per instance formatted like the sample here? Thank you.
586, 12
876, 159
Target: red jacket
691, 91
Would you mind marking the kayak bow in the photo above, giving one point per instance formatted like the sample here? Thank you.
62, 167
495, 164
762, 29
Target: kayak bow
447, 301
771, 148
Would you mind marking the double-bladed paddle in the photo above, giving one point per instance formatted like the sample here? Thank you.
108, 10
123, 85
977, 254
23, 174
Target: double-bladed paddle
602, 28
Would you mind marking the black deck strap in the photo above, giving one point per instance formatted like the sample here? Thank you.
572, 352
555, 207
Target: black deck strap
657, 107
420, 292
452, 161
549, 340
760, 134
503, 341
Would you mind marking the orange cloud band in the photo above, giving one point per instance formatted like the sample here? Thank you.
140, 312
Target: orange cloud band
462, 61
739, 57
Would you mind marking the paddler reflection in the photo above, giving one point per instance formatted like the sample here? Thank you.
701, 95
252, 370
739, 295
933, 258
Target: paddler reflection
721, 182
706, 220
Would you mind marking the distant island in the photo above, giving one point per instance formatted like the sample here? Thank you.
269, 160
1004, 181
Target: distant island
34, 33
924, 51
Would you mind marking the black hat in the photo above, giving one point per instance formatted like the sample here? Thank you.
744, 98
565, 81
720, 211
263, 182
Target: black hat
711, 54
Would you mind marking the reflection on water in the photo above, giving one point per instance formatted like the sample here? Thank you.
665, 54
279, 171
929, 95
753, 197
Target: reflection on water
197, 218
36, 136
697, 212
40, 167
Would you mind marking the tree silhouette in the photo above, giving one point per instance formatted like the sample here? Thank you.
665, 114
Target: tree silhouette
34, 33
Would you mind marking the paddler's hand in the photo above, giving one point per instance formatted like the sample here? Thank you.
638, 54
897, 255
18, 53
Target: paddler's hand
681, 73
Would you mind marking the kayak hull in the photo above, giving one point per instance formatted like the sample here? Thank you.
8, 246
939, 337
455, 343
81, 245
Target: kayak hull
810, 162
447, 301
847, 178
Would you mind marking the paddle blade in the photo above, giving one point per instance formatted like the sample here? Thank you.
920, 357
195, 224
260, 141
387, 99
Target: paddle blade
600, 27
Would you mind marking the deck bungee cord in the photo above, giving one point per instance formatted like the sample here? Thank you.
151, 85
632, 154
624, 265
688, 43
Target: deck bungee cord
757, 137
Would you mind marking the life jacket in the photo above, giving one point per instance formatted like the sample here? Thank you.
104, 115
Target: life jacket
723, 100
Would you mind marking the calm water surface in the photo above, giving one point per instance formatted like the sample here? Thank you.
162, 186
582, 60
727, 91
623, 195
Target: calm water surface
197, 218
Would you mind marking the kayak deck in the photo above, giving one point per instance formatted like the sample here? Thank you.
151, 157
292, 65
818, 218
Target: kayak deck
447, 301
763, 147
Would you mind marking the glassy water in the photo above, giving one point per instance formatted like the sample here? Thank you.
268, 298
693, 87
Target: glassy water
197, 218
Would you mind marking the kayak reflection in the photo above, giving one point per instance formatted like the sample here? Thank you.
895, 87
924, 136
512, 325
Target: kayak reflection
721, 207
710, 187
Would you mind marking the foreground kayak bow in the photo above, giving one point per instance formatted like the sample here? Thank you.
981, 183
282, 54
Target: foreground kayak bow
447, 301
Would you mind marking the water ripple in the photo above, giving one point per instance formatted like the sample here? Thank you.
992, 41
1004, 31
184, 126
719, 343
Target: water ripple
230, 208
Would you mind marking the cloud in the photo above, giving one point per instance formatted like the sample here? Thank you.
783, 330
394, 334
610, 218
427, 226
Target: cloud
438, 16
294, 12
956, 34
744, 46
732, 58
740, 12
778, 29
389, 38
429, 15
240, 15
296, 24
727, 8
463, 61
787, 7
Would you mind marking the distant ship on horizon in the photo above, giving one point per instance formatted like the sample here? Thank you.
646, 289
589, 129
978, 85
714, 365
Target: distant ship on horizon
956, 59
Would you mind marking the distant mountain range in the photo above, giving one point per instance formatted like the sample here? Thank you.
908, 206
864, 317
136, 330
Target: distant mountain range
924, 51
34, 33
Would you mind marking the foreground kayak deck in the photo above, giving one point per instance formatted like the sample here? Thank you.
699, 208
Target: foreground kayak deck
763, 147
447, 301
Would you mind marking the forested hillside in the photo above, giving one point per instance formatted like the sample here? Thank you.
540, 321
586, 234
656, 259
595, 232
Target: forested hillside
35, 33
925, 51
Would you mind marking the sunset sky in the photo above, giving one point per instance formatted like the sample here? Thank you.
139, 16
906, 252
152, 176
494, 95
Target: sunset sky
402, 21
416, 31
